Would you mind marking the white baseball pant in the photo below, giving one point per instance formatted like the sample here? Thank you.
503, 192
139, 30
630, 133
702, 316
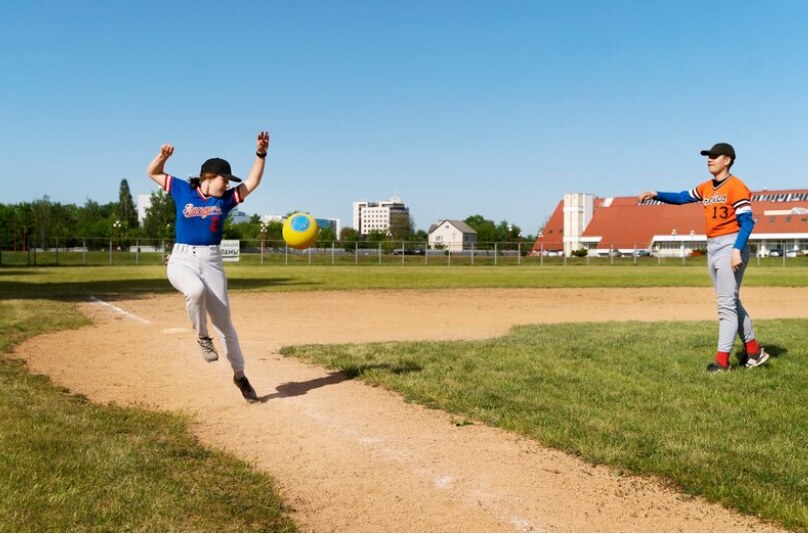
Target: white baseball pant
197, 273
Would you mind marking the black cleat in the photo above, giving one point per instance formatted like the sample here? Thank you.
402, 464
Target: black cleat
716, 367
246, 389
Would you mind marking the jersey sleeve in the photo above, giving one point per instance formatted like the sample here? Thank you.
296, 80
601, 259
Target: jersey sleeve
745, 225
167, 181
176, 188
740, 198
683, 197
232, 198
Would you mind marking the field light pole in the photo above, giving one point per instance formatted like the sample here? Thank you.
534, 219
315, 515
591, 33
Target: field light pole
263, 241
163, 242
117, 226
510, 236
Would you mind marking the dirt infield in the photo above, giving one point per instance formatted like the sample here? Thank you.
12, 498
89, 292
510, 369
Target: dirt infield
349, 457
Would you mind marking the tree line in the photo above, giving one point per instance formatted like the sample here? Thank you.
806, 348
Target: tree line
46, 224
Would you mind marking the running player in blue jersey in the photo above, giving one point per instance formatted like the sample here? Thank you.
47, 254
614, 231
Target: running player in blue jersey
195, 266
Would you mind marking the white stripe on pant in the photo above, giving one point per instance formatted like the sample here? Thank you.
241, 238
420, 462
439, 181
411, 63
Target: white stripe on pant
197, 273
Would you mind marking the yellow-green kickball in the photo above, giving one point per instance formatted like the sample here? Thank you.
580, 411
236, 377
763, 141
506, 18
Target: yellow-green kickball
300, 230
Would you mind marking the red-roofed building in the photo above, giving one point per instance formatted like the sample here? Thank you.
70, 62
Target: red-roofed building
615, 225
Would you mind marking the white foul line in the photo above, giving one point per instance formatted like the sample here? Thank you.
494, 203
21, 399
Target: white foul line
120, 311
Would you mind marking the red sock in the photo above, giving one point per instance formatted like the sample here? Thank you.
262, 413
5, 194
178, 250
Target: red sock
722, 358
752, 348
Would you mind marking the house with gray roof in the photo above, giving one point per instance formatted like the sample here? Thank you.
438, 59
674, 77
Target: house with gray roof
452, 235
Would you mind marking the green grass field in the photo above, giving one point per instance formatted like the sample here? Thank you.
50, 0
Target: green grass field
630, 395
72, 466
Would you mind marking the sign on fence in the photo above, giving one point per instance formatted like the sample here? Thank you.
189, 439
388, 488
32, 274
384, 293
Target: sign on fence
230, 249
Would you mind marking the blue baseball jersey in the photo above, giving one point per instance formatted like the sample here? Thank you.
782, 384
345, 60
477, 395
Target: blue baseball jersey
200, 219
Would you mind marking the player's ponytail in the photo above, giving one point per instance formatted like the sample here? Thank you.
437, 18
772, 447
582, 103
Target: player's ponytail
196, 181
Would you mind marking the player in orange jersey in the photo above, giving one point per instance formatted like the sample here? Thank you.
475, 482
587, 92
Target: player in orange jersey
728, 216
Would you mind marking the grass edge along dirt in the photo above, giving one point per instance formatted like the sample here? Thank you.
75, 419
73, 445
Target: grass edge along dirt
73, 466
634, 396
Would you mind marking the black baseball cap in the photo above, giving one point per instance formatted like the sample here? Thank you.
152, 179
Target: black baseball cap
720, 149
220, 167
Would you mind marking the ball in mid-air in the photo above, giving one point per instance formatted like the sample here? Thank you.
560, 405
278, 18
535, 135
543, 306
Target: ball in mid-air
300, 230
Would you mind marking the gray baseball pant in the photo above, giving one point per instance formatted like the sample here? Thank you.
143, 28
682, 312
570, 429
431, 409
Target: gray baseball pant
732, 317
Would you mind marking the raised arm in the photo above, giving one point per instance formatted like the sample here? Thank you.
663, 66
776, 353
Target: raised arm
155, 169
257, 171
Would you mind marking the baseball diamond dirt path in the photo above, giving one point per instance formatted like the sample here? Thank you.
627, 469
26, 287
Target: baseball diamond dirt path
349, 457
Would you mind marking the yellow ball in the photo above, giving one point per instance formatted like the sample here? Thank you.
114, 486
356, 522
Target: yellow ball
300, 230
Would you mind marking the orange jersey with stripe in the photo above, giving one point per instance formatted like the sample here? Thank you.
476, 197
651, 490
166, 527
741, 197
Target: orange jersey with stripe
723, 202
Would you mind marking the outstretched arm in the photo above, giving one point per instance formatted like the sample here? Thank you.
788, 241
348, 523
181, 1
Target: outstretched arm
257, 171
648, 195
155, 169
684, 197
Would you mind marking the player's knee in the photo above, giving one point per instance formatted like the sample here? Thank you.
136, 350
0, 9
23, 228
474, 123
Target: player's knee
195, 293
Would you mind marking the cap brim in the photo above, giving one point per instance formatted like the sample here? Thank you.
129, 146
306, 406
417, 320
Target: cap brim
705, 152
232, 178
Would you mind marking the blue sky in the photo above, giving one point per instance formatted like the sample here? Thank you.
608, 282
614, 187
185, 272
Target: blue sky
457, 107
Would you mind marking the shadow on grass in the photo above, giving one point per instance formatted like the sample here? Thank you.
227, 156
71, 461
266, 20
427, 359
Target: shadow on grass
9, 271
296, 389
117, 289
775, 350
355, 371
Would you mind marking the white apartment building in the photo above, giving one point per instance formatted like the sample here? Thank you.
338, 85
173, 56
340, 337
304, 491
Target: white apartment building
370, 216
143, 204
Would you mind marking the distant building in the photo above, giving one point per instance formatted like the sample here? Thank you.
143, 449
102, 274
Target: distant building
143, 204
620, 225
329, 223
378, 216
272, 218
452, 235
238, 217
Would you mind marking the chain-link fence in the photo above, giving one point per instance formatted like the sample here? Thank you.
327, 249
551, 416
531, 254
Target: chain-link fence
106, 251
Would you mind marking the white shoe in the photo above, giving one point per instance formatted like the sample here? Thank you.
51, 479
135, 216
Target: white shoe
208, 350
759, 360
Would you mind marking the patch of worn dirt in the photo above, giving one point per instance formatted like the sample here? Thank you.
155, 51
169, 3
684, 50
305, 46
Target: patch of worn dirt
349, 457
